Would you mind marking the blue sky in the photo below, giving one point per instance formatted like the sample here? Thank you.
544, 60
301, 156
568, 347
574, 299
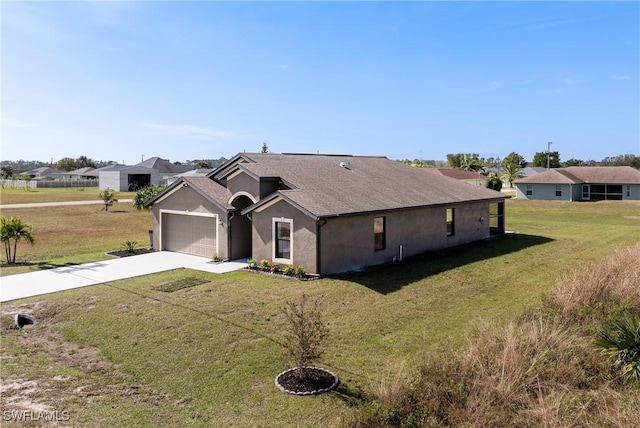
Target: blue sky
123, 80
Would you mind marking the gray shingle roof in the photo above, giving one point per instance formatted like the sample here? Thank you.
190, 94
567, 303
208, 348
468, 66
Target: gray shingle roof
324, 188
211, 190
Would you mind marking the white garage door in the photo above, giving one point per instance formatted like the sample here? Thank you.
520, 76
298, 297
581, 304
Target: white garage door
190, 234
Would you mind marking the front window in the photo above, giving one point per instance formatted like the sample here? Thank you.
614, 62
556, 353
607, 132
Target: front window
379, 233
529, 189
558, 191
451, 229
282, 240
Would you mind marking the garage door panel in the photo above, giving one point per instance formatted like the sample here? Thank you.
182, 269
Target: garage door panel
189, 234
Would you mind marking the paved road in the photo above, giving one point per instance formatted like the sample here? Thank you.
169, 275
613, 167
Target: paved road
65, 278
58, 204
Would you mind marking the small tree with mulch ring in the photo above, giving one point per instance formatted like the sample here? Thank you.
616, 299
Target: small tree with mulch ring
303, 344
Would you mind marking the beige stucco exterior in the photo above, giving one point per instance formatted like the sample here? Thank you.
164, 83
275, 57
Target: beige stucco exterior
186, 201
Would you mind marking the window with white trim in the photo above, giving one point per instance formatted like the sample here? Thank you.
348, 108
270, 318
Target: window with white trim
558, 191
529, 189
282, 240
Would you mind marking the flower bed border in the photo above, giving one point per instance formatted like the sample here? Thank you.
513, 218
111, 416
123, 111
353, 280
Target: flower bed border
259, 270
315, 392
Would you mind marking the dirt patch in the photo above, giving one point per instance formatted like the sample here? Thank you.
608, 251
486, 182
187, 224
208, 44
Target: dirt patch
45, 372
179, 284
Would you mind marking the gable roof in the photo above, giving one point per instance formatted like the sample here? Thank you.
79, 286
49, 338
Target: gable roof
331, 185
458, 174
164, 166
209, 189
585, 174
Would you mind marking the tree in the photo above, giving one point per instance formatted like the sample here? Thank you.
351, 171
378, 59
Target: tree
6, 172
495, 182
573, 162
84, 162
516, 158
540, 159
303, 342
109, 198
466, 161
511, 170
13, 230
66, 164
265, 148
204, 164
144, 195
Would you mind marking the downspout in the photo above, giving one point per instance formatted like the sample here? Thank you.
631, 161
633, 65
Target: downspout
319, 224
233, 214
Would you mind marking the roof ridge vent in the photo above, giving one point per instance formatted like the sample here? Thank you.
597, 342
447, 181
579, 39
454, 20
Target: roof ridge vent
345, 165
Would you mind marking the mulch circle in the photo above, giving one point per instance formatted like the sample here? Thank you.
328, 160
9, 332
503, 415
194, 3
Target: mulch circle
315, 381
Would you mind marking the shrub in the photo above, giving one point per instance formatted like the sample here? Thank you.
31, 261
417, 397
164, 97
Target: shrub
274, 268
251, 263
298, 271
130, 245
144, 194
622, 343
288, 270
265, 264
216, 258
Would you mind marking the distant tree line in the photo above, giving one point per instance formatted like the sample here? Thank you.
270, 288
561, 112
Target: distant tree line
8, 167
510, 168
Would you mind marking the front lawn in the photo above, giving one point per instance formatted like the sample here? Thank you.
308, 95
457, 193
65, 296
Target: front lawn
144, 352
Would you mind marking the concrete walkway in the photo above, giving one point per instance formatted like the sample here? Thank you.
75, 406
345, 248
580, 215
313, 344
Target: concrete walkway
49, 281
58, 204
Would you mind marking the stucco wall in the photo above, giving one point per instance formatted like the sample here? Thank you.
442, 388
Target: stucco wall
186, 199
303, 242
244, 183
347, 243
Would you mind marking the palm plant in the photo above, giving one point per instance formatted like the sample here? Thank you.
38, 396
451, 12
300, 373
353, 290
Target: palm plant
511, 171
109, 198
623, 345
11, 231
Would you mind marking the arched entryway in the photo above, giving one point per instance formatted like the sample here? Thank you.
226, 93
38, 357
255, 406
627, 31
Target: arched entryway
240, 229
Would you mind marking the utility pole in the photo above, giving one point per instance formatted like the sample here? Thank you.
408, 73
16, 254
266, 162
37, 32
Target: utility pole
548, 154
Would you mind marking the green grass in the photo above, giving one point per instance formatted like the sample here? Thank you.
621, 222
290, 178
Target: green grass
207, 355
63, 194
76, 234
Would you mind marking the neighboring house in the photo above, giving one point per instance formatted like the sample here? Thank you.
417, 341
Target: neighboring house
165, 169
86, 173
470, 177
582, 183
126, 178
46, 172
328, 213
193, 173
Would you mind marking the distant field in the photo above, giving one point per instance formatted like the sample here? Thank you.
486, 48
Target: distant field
77, 234
23, 196
125, 353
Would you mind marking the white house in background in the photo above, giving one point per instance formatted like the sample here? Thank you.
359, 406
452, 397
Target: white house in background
126, 178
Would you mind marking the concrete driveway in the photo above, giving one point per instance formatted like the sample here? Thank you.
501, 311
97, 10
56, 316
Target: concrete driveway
65, 278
